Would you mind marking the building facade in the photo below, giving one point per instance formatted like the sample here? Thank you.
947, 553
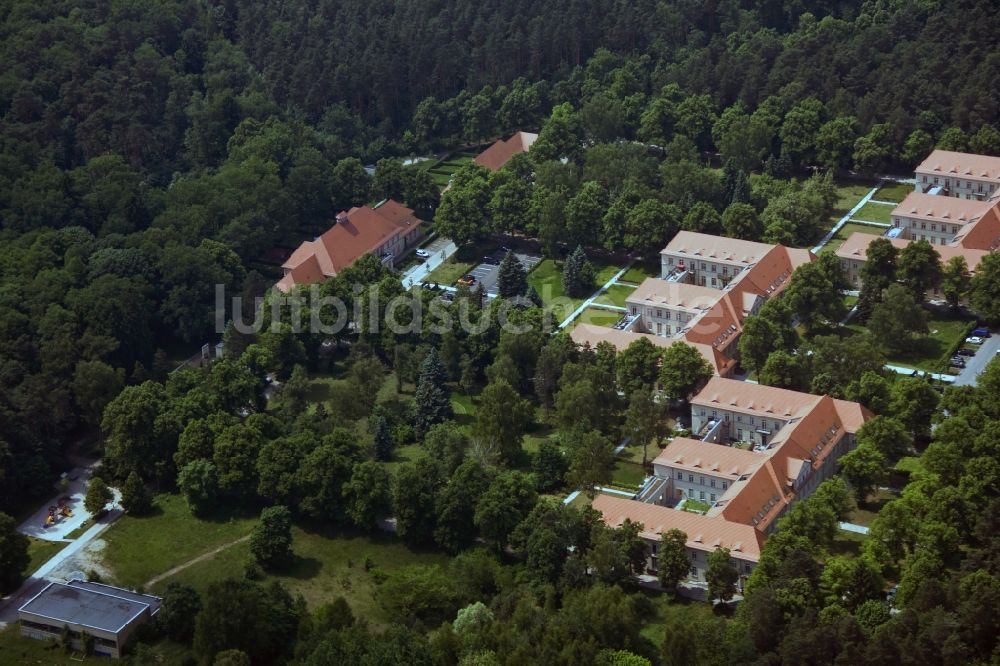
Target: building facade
960, 175
108, 615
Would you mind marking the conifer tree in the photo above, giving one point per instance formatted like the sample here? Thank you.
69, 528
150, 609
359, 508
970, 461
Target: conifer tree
383, 438
512, 280
433, 400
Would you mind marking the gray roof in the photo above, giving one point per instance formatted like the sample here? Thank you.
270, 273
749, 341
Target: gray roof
90, 604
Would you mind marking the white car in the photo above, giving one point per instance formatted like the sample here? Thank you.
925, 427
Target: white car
974, 340
423, 254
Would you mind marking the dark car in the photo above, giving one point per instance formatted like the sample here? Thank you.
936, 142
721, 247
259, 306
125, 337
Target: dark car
958, 361
966, 352
981, 332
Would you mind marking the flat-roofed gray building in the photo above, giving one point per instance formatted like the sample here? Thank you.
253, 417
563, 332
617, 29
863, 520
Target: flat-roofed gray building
109, 614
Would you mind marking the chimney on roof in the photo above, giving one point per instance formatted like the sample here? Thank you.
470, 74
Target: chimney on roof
341, 218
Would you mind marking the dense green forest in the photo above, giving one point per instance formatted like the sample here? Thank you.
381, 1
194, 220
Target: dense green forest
150, 151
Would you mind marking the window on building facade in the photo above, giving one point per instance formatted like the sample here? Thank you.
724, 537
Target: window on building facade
701, 494
701, 480
712, 498
712, 483
680, 475
703, 265
690, 478
724, 485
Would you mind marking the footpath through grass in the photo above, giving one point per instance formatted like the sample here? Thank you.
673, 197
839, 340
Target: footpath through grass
325, 565
139, 548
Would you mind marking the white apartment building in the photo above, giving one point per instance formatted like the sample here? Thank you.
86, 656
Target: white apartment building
934, 218
961, 175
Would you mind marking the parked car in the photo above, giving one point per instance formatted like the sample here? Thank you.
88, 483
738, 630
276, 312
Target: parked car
448, 296
467, 280
423, 254
966, 352
958, 362
981, 332
974, 340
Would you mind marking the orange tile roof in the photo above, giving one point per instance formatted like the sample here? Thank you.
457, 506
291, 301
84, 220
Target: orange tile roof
497, 155
356, 233
756, 399
856, 248
961, 165
716, 248
757, 500
952, 210
703, 533
658, 292
592, 334
719, 326
983, 234
714, 459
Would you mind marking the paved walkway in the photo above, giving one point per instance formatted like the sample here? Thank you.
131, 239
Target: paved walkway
900, 370
34, 584
440, 250
870, 223
587, 303
851, 527
844, 220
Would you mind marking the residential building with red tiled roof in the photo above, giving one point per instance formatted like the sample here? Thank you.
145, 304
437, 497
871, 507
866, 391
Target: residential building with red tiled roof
496, 156
592, 335
854, 252
704, 535
962, 175
387, 231
934, 218
755, 451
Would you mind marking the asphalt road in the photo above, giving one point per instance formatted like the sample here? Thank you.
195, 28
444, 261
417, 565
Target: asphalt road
976, 364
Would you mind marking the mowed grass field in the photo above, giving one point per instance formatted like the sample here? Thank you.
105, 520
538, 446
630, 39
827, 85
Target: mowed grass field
928, 352
546, 278
895, 192
140, 548
874, 212
615, 295
598, 317
326, 564
846, 231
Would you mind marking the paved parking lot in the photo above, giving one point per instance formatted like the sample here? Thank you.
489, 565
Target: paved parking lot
487, 273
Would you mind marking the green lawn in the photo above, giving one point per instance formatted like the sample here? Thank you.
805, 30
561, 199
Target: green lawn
639, 272
848, 195
895, 192
546, 278
464, 407
325, 565
847, 230
864, 515
139, 548
628, 474
847, 543
599, 317
41, 551
449, 271
929, 352
874, 212
615, 295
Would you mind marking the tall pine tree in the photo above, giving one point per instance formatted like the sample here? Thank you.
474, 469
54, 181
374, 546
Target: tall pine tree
433, 400
513, 281
578, 274
383, 439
